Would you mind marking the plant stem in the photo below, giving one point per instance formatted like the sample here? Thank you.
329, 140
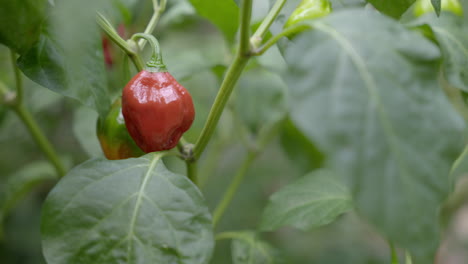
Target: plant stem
155, 64
408, 258
39, 137
257, 37
34, 129
229, 81
192, 171
227, 86
287, 32
18, 79
394, 254
227, 235
158, 10
114, 36
246, 13
233, 187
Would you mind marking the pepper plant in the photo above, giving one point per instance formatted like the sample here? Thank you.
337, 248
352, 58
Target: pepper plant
286, 131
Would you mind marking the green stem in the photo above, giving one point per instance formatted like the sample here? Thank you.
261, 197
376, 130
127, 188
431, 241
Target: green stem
227, 86
4, 91
229, 81
233, 187
39, 137
228, 235
18, 77
192, 173
287, 32
408, 259
114, 36
155, 64
257, 37
246, 13
30, 123
393, 254
158, 10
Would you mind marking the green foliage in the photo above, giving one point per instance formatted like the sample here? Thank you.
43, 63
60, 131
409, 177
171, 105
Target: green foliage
66, 59
371, 117
132, 210
21, 183
21, 23
350, 130
222, 13
248, 248
393, 8
312, 201
449, 31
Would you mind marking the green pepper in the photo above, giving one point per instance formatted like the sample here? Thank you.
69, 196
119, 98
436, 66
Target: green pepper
309, 9
116, 142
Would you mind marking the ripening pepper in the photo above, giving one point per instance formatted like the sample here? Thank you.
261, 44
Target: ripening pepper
113, 136
309, 9
157, 109
422, 7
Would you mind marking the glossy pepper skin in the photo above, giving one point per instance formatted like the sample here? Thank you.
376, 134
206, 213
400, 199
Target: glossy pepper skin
309, 9
157, 110
116, 142
422, 7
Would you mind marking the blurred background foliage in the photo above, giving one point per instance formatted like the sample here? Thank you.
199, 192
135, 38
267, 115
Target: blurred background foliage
197, 54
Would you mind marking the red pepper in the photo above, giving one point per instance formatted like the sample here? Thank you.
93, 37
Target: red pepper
157, 109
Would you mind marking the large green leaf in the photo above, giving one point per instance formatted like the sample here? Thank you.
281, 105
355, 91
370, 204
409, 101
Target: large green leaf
450, 32
68, 57
312, 201
126, 211
373, 105
222, 13
393, 8
247, 248
20, 23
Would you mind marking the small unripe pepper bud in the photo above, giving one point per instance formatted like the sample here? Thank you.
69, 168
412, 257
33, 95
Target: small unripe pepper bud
113, 136
309, 9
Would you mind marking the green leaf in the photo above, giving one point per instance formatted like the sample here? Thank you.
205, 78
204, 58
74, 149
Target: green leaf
314, 200
222, 13
261, 100
393, 8
437, 6
22, 182
68, 57
372, 104
450, 33
126, 211
247, 248
21, 23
